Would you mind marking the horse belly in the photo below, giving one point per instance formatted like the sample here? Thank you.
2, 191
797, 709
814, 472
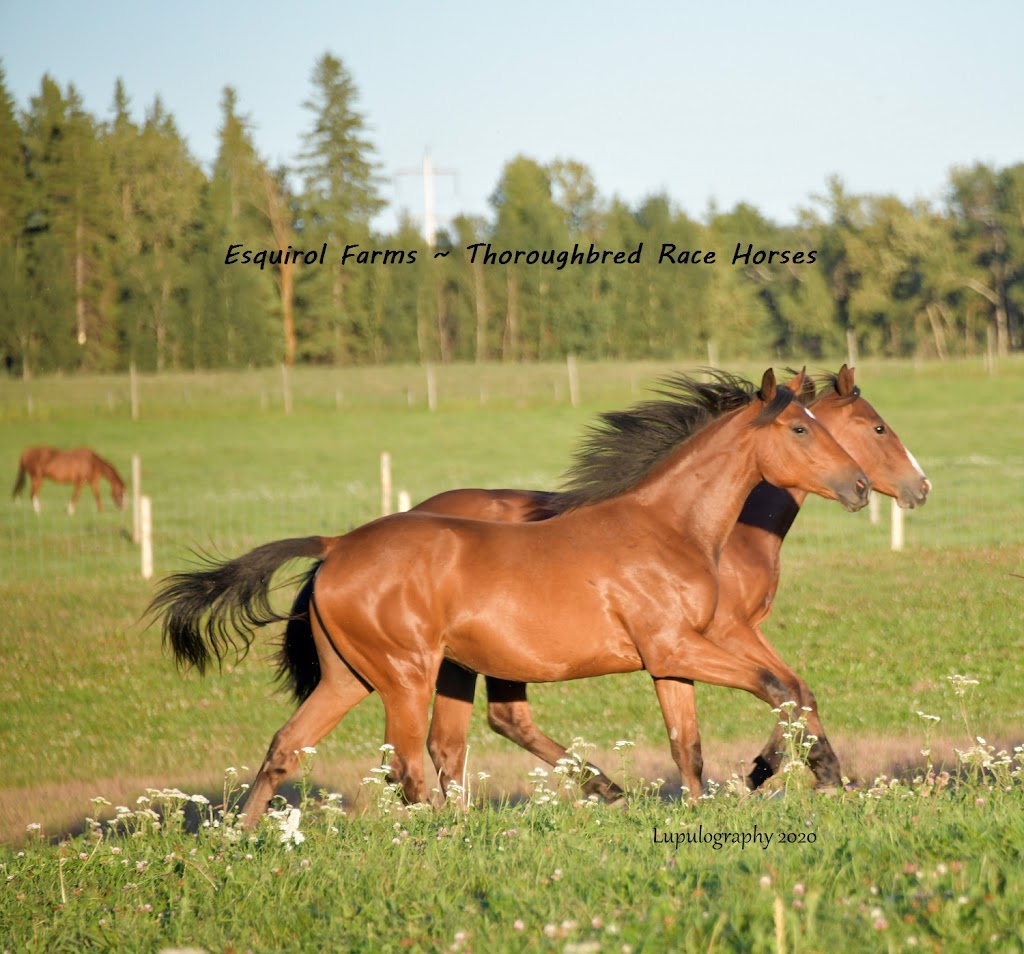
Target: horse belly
534, 642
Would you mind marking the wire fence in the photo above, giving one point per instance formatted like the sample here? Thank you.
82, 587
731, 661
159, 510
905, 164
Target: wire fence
977, 469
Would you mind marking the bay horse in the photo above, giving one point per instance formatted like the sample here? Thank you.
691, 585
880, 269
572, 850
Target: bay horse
80, 466
748, 578
624, 578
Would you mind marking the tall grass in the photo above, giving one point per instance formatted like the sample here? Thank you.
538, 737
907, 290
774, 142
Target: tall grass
929, 863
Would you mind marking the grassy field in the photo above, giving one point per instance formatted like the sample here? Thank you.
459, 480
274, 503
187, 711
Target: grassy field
93, 708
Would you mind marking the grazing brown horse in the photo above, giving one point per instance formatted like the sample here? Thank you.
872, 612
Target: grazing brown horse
79, 467
625, 578
748, 577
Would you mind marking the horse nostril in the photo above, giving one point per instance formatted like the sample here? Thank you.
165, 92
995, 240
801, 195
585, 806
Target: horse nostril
926, 486
862, 488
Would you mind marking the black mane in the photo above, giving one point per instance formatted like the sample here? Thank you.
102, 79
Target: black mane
828, 383
625, 446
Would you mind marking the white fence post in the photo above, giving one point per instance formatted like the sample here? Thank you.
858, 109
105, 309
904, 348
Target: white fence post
896, 533
146, 516
385, 483
404, 501
874, 510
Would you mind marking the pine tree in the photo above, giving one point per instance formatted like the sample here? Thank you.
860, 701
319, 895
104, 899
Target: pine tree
338, 200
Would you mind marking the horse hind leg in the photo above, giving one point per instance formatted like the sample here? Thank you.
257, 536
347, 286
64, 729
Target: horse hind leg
406, 714
321, 712
449, 723
508, 714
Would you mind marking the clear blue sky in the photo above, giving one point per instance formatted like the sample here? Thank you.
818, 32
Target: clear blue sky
724, 102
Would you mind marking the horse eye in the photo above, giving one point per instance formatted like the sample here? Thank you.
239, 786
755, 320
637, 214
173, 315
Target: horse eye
799, 429
880, 429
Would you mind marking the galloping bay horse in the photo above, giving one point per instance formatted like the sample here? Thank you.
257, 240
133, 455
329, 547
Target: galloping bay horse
624, 578
748, 577
80, 466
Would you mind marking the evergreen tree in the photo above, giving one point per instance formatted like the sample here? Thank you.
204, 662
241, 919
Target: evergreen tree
232, 307
338, 200
68, 199
159, 235
14, 333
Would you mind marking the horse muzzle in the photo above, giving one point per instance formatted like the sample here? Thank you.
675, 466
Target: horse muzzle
914, 494
855, 497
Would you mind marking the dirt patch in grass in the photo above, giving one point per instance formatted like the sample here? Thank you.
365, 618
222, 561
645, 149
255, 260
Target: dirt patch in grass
62, 808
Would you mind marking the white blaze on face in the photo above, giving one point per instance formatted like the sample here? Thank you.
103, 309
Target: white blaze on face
913, 460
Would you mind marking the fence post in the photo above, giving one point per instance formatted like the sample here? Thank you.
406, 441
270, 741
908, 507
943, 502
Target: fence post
574, 380
874, 510
146, 516
133, 390
404, 501
385, 483
431, 388
896, 533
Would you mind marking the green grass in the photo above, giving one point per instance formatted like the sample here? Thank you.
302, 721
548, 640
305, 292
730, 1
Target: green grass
929, 864
94, 708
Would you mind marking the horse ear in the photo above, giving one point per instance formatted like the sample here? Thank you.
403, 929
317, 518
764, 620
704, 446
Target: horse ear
844, 381
802, 386
768, 386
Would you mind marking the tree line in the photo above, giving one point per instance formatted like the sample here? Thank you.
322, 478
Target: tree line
116, 248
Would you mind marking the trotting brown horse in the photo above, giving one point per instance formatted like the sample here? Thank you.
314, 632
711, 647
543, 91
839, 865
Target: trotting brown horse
748, 577
626, 578
80, 466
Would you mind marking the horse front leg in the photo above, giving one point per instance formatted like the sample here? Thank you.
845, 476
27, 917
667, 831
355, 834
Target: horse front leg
508, 714
678, 701
75, 494
749, 643
96, 493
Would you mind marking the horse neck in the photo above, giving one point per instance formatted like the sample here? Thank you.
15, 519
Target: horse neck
107, 471
700, 488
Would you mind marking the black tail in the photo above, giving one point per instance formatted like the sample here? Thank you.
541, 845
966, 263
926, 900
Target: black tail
298, 665
20, 482
208, 612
